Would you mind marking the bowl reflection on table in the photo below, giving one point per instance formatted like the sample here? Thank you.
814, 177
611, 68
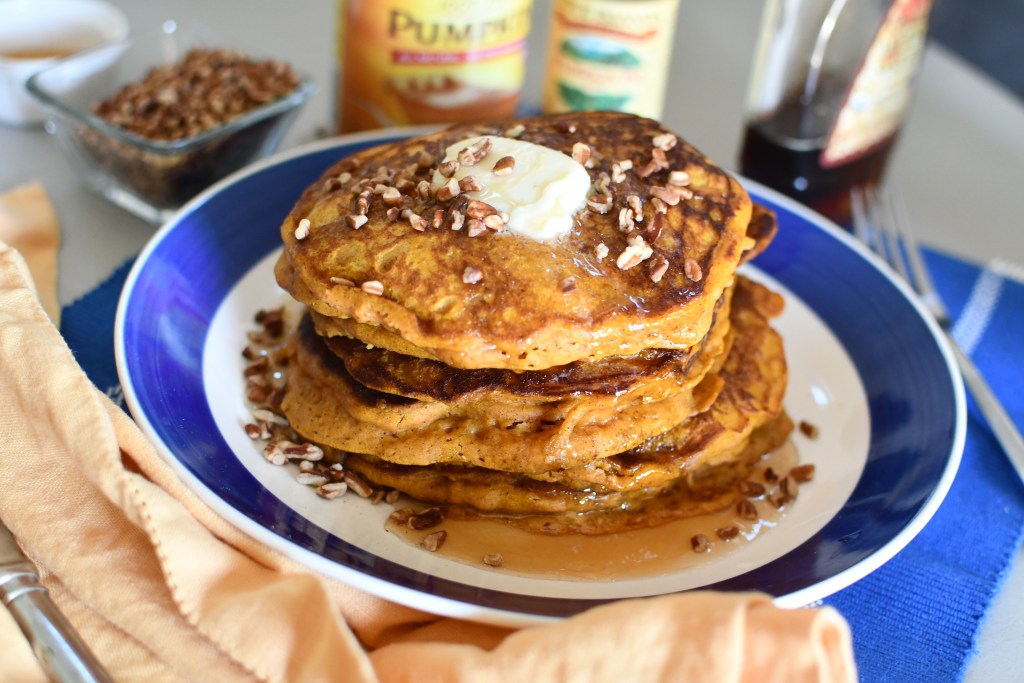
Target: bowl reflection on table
151, 178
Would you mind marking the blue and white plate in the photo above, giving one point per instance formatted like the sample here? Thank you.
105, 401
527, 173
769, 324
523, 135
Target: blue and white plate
866, 367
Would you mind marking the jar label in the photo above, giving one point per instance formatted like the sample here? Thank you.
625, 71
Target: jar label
880, 93
609, 55
429, 61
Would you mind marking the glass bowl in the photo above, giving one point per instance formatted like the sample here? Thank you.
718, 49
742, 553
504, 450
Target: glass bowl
150, 178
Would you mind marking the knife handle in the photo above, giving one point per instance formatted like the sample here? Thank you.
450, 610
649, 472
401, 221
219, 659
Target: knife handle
62, 653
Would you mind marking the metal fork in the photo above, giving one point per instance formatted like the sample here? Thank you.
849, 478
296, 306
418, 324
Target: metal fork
880, 222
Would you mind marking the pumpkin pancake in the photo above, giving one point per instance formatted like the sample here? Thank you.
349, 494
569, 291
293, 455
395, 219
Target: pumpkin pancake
761, 230
474, 492
373, 248
755, 378
613, 377
686, 471
418, 412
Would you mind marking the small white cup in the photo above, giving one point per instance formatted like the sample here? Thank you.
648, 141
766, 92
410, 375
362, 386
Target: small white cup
34, 33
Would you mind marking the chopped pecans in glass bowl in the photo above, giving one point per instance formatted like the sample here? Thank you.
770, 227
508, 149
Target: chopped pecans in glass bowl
159, 125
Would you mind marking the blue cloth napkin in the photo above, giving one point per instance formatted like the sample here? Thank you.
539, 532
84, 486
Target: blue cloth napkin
917, 617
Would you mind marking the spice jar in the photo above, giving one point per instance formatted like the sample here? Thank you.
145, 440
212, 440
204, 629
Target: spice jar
609, 55
429, 61
831, 84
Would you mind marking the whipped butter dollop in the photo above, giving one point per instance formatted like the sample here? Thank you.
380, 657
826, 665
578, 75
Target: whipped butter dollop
541, 194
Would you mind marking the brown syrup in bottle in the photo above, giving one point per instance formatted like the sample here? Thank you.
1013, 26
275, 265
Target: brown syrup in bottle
783, 151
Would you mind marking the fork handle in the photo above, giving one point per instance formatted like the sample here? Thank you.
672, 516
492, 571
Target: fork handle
62, 653
1002, 426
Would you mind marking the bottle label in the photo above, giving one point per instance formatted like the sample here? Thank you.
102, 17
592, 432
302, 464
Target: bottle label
609, 55
879, 96
429, 61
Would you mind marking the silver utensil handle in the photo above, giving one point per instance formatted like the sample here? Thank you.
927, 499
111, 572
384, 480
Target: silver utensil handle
62, 653
1000, 423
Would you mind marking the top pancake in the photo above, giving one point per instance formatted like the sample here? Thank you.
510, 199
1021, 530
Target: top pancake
538, 304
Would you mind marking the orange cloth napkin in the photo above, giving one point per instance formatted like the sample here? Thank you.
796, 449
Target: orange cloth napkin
165, 590
29, 224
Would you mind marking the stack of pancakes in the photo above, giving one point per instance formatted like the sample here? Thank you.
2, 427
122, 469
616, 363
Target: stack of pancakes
620, 376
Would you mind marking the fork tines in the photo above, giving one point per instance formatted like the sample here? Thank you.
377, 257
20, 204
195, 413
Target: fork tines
880, 222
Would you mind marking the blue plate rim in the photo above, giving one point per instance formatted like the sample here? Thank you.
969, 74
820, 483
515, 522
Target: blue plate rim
442, 604
889, 550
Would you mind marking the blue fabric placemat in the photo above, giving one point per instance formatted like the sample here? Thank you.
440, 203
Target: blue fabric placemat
917, 617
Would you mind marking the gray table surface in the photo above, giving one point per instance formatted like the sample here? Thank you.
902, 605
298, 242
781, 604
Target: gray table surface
959, 161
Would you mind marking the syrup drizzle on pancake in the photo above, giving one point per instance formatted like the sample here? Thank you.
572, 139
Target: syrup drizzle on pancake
632, 554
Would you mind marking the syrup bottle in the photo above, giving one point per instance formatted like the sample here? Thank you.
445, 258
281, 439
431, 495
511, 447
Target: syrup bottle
830, 87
